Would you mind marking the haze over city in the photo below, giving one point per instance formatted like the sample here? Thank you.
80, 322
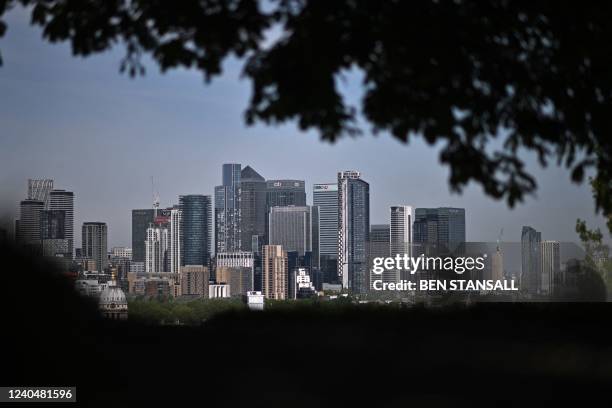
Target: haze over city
103, 135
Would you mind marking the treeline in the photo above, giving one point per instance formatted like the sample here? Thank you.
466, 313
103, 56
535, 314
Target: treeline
179, 311
196, 311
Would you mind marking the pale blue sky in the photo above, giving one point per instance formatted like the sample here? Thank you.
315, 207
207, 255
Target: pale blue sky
103, 135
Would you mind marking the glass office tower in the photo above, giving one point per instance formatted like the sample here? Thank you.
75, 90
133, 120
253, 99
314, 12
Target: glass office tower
196, 229
353, 230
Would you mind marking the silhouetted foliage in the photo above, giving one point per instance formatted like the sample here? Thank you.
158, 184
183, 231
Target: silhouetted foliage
486, 79
597, 253
581, 283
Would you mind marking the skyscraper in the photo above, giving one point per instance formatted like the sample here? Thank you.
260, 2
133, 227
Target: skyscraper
38, 189
227, 210
282, 193
156, 248
441, 228
401, 230
252, 210
52, 224
141, 219
62, 200
52, 233
94, 243
380, 247
29, 221
550, 265
353, 230
497, 264
176, 218
296, 229
530, 256
275, 274
196, 229
325, 197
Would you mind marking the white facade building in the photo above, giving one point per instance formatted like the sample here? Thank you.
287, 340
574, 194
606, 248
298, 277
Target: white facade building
176, 216
121, 252
219, 290
235, 259
255, 300
401, 230
156, 249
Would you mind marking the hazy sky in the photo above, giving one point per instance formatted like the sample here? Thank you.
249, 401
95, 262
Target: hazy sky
103, 135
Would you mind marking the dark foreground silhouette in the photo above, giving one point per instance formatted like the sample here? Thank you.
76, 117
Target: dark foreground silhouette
485, 355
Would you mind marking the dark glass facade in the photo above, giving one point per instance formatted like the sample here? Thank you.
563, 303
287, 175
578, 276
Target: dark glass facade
530, 260
440, 228
227, 210
141, 218
252, 210
353, 231
196, 229
52, 224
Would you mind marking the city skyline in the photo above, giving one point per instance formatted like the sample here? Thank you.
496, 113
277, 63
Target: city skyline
168, 204
180, 132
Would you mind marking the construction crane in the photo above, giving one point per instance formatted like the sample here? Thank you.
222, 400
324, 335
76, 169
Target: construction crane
499, 237
155, 195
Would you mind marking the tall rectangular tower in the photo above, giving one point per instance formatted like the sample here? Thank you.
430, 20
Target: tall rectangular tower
227, 209
62, 200
275, 273
550, 265
29, 221
141, 219
530, 257
94, 243
353, 230
196, 229
296, 228
176, 218
401, 230
441, 228
252, 210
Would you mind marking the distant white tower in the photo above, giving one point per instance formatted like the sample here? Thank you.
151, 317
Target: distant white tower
401, 230
156, 249
176, 216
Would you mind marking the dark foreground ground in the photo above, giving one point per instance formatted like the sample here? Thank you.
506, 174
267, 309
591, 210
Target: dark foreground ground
487, 355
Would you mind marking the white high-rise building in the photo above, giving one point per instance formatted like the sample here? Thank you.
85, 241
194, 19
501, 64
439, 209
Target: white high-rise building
401, 230
156, 249
176, 216
121, 252
235, 259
